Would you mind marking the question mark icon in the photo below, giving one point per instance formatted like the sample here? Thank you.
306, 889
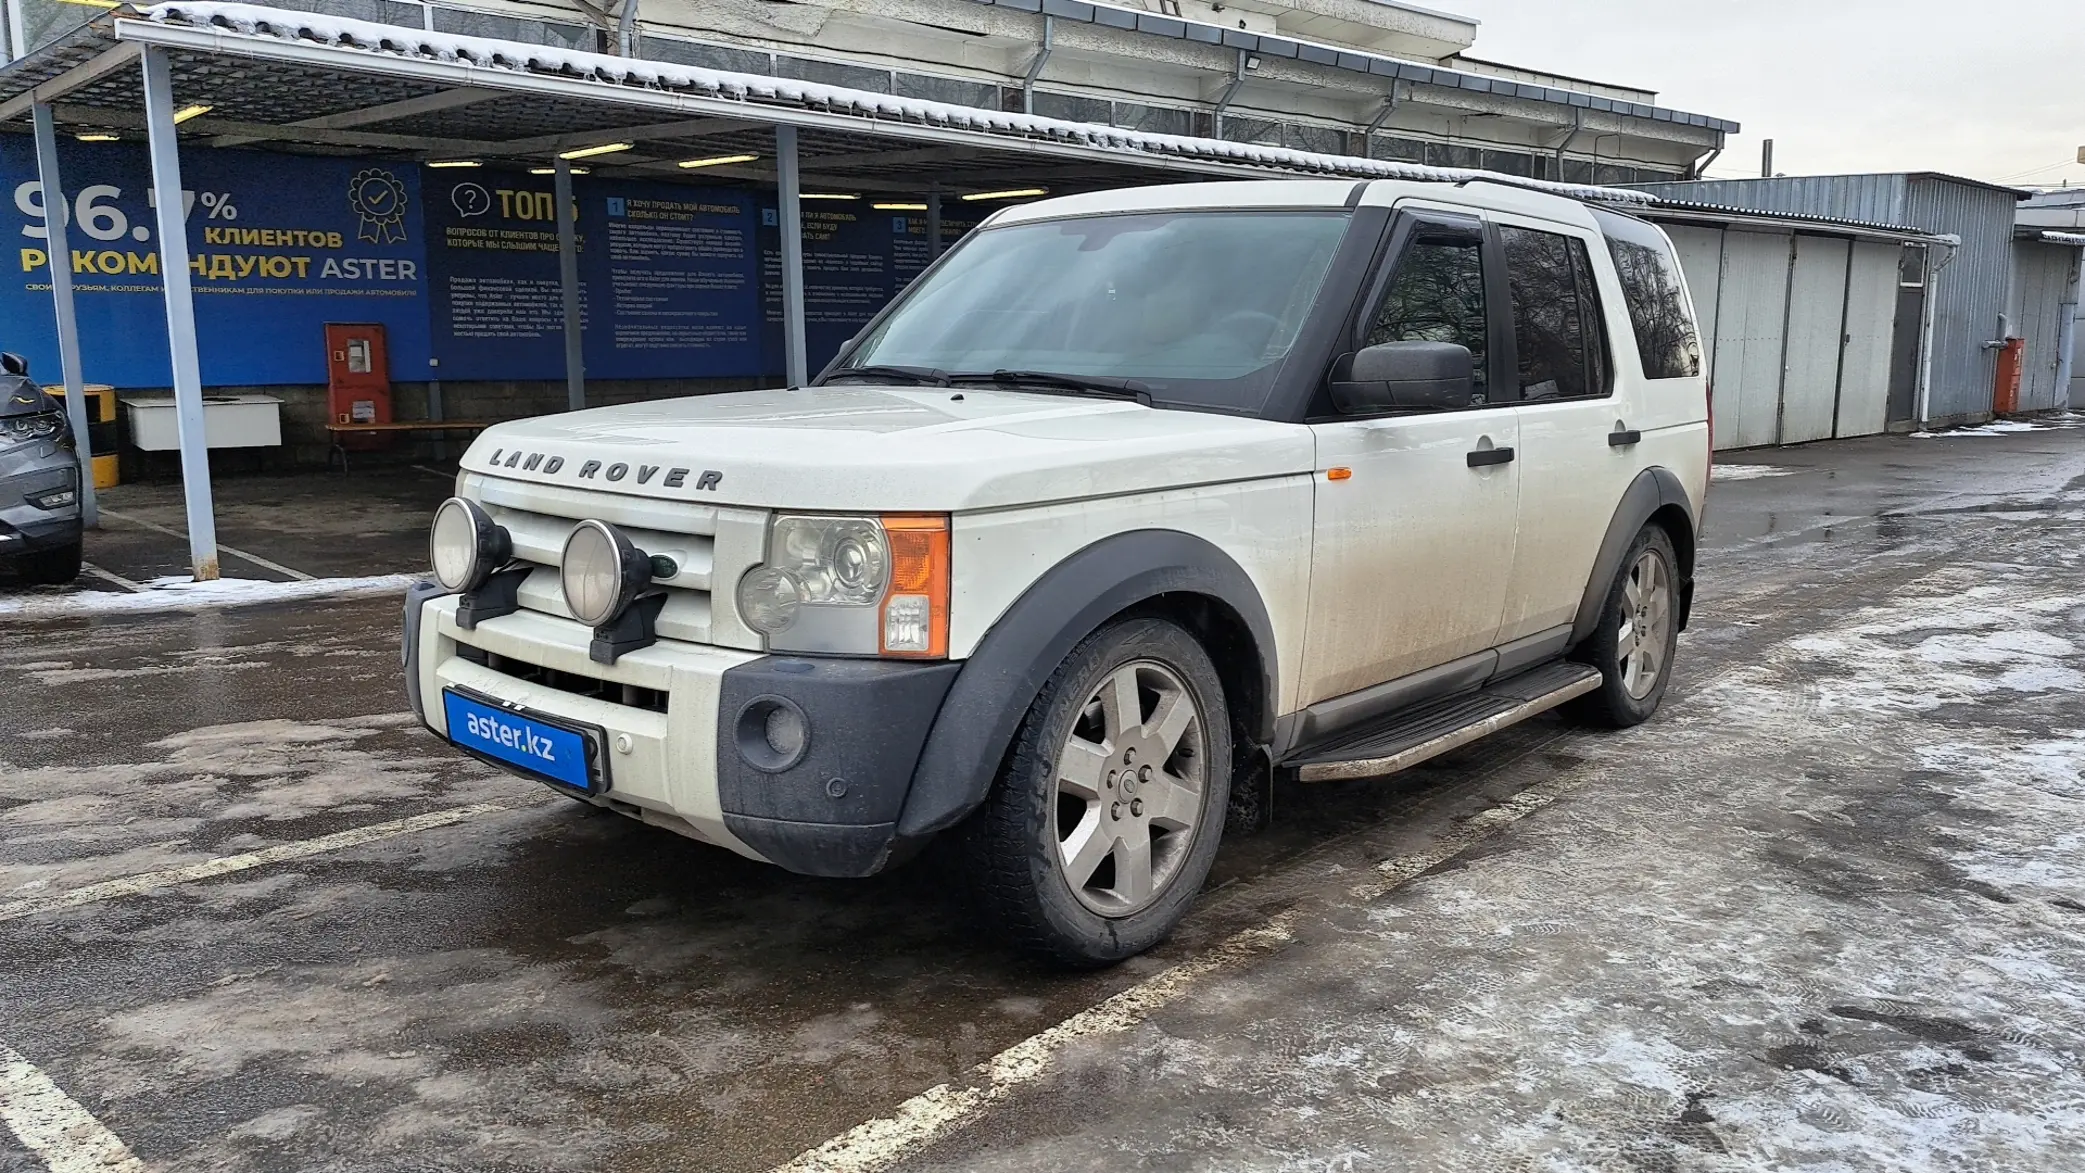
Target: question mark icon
470, 200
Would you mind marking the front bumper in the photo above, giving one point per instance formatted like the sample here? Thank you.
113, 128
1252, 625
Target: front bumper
681, 734
29, 471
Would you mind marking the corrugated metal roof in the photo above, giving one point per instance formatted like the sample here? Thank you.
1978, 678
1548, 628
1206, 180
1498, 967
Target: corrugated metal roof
1867, 199
374, 52
1665, 206
1942, 176
1352, 60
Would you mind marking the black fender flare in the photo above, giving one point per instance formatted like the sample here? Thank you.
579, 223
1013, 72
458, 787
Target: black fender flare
1654, 489
1024, 647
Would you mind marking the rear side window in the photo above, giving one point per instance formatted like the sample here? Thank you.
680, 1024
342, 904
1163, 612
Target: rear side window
1665, 333
1556, 320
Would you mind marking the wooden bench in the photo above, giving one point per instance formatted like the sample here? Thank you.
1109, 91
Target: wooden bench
338, 430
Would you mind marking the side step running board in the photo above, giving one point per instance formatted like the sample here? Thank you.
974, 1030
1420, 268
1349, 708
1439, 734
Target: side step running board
1411, 737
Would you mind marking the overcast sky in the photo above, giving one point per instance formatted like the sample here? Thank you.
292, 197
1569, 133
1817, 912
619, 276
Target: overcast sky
1993, 89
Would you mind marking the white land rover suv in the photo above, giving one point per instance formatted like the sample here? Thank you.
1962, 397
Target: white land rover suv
1131, 503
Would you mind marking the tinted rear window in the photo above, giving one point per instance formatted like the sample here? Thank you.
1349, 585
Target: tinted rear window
1665, 333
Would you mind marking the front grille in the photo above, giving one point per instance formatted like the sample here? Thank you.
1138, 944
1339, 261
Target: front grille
707, 545
635, 696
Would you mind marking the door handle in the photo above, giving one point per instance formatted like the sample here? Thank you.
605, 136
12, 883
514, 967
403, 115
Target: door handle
1480, 457
1623, 437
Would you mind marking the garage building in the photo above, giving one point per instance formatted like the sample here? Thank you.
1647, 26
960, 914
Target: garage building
2048, 246
1967, 290
1812, 328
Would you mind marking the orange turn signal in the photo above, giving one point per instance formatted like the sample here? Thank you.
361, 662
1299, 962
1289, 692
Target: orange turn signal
915, 609
1338, 474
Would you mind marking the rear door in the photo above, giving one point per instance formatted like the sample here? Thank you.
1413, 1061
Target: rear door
1415, 512
1575, 463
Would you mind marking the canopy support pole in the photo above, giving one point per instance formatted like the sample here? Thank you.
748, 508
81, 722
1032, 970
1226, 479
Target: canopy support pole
58, 246
568, 283
933, 225
163, 144
790, 212
17, 46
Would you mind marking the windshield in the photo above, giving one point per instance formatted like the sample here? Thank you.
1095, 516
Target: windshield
1195, 308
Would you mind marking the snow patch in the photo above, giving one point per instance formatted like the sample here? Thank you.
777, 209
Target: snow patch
2006, 427
185, 594
1749, 472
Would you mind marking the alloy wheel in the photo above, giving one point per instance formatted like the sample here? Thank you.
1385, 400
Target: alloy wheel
1645, 630
1130, 781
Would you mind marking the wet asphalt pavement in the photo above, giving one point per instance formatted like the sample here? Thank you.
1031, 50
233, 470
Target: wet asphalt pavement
1824, 912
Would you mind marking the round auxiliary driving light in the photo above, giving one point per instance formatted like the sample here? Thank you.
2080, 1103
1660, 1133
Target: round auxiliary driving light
601, 571
465, 545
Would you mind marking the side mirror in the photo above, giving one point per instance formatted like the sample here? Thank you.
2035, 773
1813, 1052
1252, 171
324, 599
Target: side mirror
14, 364
1434, 376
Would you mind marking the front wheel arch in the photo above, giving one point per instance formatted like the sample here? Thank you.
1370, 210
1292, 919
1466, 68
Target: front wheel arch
1166, 573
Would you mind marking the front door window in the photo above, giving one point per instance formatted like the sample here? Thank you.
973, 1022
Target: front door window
1437, 295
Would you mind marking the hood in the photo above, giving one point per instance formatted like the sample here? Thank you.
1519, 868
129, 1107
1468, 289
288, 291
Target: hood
19, 396
889, 449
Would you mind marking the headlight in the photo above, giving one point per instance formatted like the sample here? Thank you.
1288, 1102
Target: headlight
601, 570
841, 561
465, 545
21, 429
852, 586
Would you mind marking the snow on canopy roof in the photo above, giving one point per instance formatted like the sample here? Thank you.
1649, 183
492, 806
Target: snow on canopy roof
258, 22
2076, 239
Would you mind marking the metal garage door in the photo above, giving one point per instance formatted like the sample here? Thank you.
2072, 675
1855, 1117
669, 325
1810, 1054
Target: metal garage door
1871, 316
2041, 277
1751, 319
1701, 258
1816, 311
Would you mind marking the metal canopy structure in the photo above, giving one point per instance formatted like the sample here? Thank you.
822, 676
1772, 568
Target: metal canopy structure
307, 83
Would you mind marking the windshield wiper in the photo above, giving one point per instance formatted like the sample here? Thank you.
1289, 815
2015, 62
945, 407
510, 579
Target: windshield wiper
923, 376
1110, 388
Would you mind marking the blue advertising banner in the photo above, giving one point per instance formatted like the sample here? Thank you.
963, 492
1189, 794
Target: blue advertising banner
279, 246
848, 274
668, 288
677, 267
910, 248
492, 246
676, 281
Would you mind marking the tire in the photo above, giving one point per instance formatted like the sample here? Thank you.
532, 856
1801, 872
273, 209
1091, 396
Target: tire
53, 567
1638, 632
1098, 832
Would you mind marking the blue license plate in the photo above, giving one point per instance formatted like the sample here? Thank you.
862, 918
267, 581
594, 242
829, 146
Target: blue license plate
531, 744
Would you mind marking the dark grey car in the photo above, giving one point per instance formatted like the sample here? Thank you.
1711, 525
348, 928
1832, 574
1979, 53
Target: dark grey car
39, 481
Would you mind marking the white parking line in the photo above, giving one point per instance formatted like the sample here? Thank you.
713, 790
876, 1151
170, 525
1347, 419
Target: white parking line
118, 579
435, 472
942, 1110
234, 551
188, 873
52, 1124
